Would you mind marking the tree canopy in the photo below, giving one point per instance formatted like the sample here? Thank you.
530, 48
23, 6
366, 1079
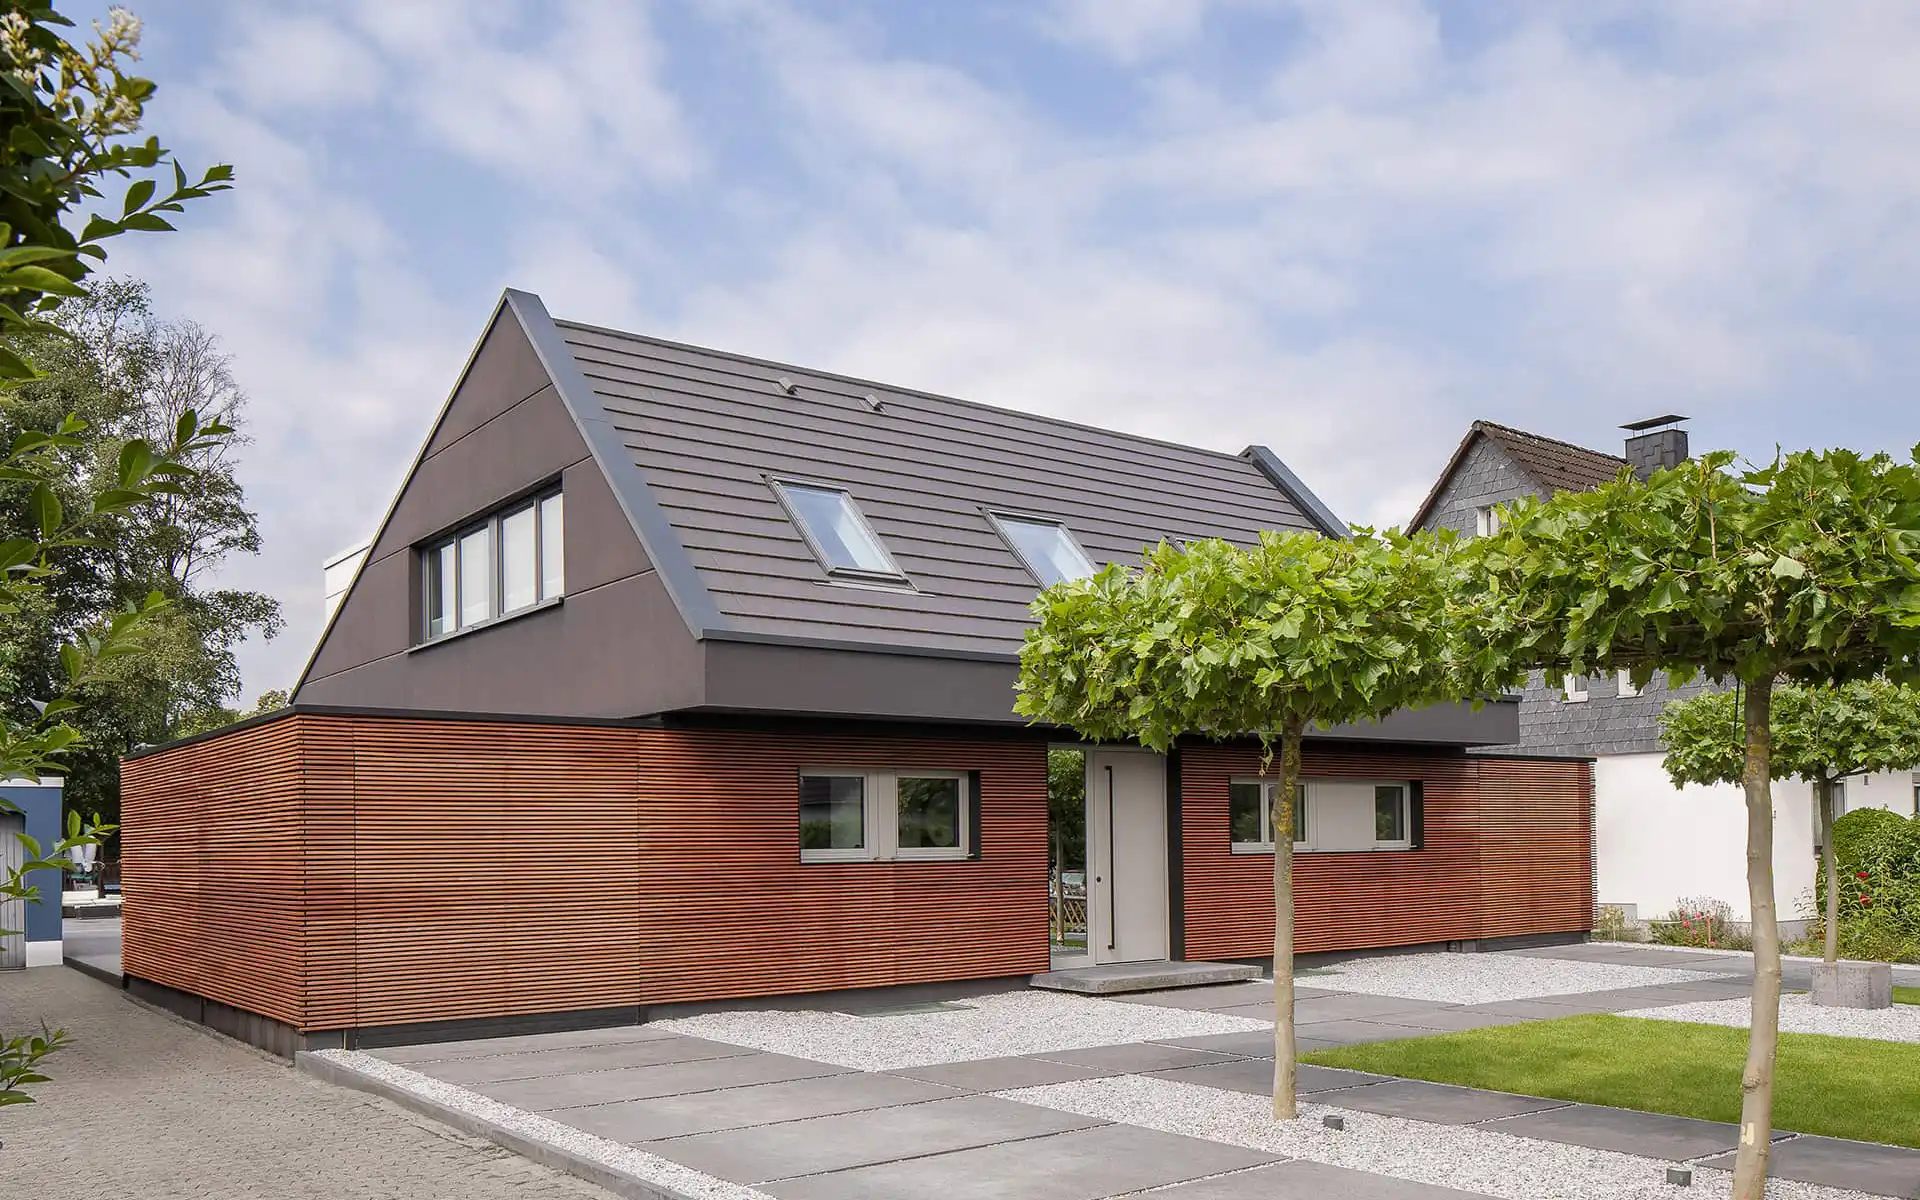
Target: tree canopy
1819, 732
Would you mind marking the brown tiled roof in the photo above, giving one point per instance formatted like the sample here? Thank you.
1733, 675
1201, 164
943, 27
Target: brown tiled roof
1555, 465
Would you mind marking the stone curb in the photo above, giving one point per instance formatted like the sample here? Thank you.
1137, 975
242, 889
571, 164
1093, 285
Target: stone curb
578, 1165
105, 976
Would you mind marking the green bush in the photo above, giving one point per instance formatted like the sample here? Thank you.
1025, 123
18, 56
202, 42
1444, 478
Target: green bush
1878, 856
1700, 921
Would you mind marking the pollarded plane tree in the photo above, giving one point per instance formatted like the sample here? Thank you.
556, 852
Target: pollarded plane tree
1216, 641
1803, 570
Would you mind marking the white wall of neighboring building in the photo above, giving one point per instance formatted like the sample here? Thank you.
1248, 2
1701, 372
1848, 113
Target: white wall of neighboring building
1656, 843
339, 572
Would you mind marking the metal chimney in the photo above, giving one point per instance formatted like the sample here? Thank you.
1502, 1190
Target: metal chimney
1657, 442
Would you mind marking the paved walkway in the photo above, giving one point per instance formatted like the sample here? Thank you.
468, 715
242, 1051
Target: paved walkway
798, 1129
146, 1105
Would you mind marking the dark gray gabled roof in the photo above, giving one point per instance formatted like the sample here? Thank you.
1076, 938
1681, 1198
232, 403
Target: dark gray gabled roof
698, 433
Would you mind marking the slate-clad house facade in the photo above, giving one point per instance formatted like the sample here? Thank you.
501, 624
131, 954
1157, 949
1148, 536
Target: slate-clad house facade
673, 676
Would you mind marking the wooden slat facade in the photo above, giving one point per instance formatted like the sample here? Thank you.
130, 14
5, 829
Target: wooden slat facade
340, 872
1507, 853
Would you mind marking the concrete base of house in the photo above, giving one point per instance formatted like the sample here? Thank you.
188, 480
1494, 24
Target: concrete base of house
1853, 985
1110, 979
45, 953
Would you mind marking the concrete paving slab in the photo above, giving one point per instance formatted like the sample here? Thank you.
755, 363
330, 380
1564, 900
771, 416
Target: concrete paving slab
1083, 1165
578, 1060
1133, 1058
569, 1039
1359, 1006
1254, 1043
1002, 1074
1354, 1033
742, 1107
1548, 1008
1303, 1180
839, 1143
550, 1092
1862, 1166
1441, 1103
1254, 1077
1653, 1135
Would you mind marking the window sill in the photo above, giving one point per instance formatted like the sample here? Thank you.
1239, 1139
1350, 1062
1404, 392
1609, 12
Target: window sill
492, 623
816, 859
1250, 850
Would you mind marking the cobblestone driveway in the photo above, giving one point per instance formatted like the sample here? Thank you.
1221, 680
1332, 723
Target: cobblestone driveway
146, 1105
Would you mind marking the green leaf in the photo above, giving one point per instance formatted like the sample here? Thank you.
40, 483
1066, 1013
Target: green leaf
138, 194
44, 507
1788, 568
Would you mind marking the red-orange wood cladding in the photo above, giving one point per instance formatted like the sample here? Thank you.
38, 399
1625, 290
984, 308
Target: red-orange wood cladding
336, 872
1508, 851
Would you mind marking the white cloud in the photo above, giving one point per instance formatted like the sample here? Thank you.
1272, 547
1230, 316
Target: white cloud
297, 61
1128, 30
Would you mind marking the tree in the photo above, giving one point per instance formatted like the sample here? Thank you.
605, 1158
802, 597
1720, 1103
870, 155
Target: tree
1214, 641
1803, 569
1821, 733
68, 111
131, 376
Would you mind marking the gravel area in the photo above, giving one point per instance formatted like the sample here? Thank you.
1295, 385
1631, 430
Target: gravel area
1024, 1022
650, 1167
1486, 978
1463, 1157
1799, 1014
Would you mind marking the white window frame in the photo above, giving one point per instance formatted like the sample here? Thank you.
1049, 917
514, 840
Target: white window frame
1002, 519
1487, 520
892, 574
1406, 814
428, 554
881, 818
1575, 689
1268, 785
1627, 690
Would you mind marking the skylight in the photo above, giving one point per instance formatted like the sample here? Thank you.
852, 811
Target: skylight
836, 532
1046, 548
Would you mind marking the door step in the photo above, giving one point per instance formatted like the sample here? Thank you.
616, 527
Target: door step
1113, 978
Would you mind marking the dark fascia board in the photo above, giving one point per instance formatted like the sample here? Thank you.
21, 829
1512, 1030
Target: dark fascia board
394, 714
650, 522
413, 467
821, 643
1282, 477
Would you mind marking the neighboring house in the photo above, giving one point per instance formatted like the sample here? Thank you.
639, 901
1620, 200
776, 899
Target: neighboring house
677, 676
1657, 844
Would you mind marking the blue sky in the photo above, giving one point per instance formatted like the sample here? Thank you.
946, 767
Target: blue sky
1343, 228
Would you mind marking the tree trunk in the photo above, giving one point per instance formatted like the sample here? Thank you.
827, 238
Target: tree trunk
1756, 1081
1823, 797
1280, 820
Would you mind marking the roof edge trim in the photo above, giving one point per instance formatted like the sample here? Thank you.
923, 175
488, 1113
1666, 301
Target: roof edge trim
1282, 477
650, 522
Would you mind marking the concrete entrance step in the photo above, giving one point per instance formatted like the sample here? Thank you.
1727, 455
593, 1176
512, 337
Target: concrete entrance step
1113, 978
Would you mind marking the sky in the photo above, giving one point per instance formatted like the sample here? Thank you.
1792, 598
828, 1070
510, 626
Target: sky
1344, 229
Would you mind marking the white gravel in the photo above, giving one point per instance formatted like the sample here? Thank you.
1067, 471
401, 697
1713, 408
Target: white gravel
1799, 1014
1485, 978
649, 1167
1464, 1157
1023, 1022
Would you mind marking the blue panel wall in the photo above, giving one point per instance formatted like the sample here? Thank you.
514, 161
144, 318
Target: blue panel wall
41, 805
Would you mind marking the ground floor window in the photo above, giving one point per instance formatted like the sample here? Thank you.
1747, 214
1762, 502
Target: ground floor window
1328, 814
858, 816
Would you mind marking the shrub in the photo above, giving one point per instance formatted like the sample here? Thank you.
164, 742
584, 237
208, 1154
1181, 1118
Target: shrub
1611, 925
1878, 856
1700, 921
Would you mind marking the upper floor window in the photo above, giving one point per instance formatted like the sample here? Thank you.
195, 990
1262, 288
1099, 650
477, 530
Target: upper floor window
508, 561
836, 532
1046, 548
1627, 690
1487, 521
1574, 688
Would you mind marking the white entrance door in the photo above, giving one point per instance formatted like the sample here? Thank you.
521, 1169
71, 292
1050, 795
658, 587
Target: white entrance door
1126, 856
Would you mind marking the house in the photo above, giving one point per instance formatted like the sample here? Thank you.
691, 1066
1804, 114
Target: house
673, 676
1656, 844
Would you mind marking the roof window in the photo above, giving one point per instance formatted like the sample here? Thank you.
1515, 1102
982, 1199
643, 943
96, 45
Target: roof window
836, 532
1047, 549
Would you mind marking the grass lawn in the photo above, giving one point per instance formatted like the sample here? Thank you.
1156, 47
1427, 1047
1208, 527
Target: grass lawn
1906, 995
1842, 1087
